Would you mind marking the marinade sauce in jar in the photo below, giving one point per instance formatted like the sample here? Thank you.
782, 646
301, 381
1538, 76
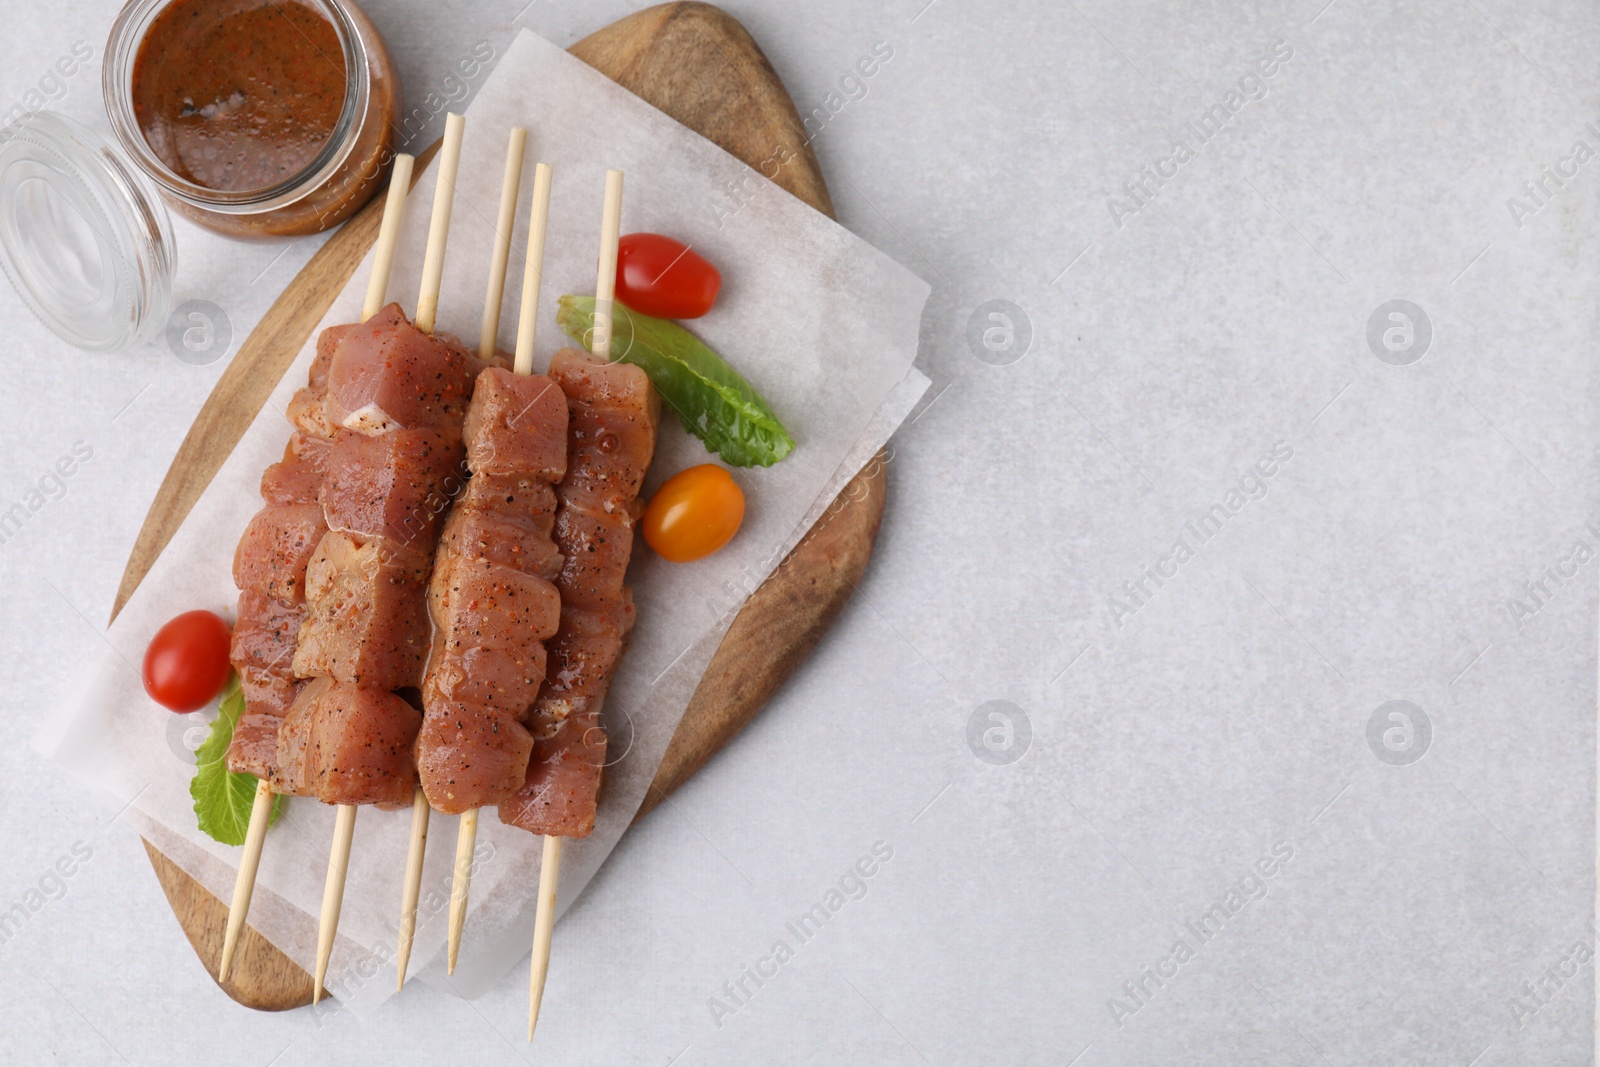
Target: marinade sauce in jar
254, 117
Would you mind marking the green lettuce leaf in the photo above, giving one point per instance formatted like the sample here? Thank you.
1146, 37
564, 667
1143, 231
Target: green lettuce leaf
223, 799
712, 401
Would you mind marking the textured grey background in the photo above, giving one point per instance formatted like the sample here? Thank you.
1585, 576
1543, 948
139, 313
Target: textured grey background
1178, 746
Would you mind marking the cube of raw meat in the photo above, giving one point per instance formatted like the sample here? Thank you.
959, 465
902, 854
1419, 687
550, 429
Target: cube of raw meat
346, 744
385, 374
395, 486
274, 550
367, 622
517, 424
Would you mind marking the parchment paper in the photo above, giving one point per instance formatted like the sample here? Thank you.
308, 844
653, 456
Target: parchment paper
824, 325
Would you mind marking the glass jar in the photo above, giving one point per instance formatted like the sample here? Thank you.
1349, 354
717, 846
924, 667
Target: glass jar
83, 235
341, 177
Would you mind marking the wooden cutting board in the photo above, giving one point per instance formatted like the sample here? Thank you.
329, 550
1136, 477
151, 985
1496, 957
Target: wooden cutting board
697, 64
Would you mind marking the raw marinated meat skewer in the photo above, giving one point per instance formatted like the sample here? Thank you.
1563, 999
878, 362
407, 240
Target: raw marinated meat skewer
269, 568
401, 397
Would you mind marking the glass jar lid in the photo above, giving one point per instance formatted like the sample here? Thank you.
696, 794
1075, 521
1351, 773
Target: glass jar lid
83, 237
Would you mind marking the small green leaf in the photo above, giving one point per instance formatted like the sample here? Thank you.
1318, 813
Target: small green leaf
712, 400
223, 799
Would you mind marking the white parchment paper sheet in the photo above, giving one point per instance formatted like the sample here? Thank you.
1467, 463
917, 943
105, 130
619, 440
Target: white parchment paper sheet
821, 323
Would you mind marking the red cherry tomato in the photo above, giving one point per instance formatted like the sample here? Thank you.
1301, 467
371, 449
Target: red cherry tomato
187, 661
665, 278
694, 513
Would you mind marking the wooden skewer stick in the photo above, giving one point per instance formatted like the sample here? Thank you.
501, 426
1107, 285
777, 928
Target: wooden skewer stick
544, 924
538, 225
388, 235
605, 291
344, 829
501, 253
244, 883
413, 884
461, 882
439, 227
533, 274
605, 287
427, 304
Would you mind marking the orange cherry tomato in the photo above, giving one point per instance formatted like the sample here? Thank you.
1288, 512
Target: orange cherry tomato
694, 513
665, 278
187, 661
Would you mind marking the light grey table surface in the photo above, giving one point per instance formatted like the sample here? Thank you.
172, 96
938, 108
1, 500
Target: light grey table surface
1182, 725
